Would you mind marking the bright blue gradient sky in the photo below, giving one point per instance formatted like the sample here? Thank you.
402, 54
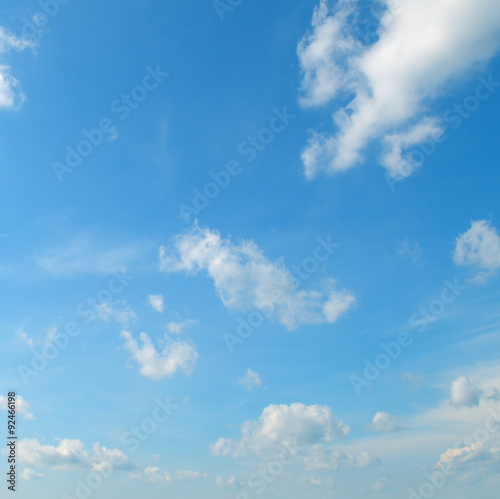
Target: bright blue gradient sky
361, 140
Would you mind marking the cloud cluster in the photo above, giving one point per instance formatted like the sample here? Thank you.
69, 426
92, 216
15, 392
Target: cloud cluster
245, 279
420, 48
479, 247
71, 455
175, 356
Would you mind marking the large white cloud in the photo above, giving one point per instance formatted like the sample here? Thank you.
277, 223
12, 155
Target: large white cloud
245, 279
175, 356
420, 48
71, 454
283, 425
479, 247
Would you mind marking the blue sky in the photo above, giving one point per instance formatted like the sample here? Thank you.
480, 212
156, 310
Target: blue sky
251, 250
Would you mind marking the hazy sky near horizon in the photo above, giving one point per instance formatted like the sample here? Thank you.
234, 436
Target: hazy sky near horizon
251, 249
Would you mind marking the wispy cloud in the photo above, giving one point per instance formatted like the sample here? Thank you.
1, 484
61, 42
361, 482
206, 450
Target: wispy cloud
418, 51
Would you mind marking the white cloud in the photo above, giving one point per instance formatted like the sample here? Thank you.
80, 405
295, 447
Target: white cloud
156, 301
175, 356
384, 422
157, 475
10, 93
418, 51
464, 393
283, 425
117, 311
396, 143
29, 474
177, 327
479, 247
22, 407
250, 380
245, 279
71, 455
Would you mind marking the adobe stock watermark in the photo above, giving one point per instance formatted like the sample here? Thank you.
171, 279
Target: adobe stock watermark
249, 149
268, 474
34, 26
223, 6
442, 471
255, 319
394, 349
106, 128
132, 438
454, 117
87, 310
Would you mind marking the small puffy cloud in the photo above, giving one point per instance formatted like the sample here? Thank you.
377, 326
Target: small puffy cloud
22, 407
383, 87
175, 356
71, 455
156, 302
246, 280
479, 247
384, 422
464, 393
177, 327
250, 380
283, 425
29, 474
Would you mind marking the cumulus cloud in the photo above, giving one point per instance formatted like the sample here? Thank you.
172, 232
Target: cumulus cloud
71, 455
250, 380
22, 407
384, 422
283, 425
464, 393
118, 311
245, 279
156, 302
420, 49
479, 247
176, 356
